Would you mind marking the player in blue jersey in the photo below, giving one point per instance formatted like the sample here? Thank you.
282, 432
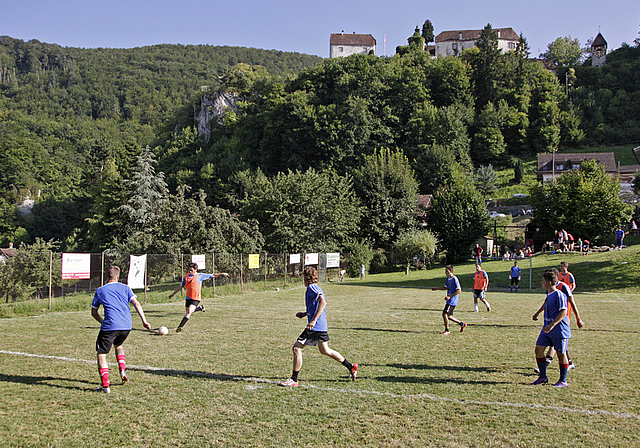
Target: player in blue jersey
556, 331
515, 275
116, 324
452, 286
316, 332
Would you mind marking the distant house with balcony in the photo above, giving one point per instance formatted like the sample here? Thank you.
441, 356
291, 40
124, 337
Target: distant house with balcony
342, 45
551, 166
452, 43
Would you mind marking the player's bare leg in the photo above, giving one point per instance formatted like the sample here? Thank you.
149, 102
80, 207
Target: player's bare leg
325, 350
189, 311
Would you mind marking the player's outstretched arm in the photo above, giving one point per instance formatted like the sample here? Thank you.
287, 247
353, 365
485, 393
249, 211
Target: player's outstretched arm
176, 291
140, 312
220, 274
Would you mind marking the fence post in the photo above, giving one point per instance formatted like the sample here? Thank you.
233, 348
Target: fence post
213, 270
530, 272
240, 271
50, 276
285, 270
265, 270
146, 267
102, 269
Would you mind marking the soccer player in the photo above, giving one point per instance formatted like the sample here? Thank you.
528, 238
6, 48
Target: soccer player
452, 286
566, 284
480, 284
619, 238
116, 325
362, 271
515, 275
193, 284
316, 332
556, 331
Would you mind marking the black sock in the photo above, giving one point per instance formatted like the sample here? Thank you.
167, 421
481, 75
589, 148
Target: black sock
294, 375
198, 308
185, 319
347, 364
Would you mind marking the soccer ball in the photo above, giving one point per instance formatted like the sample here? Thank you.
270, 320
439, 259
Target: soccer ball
163, 330
277, 289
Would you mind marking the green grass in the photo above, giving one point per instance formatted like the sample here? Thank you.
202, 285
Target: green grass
415, 386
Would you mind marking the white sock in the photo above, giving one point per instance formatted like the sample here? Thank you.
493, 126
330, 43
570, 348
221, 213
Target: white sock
486, 302
475, 306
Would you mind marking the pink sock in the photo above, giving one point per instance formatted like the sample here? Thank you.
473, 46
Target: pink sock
121, 361
104, 376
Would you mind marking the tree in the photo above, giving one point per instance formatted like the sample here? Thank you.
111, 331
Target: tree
487, 67
427, 31
486, 179
518, 171
585, 202
458, 216
412, 243
388, 190
564, 52
299, 211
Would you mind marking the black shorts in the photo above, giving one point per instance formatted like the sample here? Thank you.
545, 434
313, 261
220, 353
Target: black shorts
310, 337
478, 294
448, 309
108, 338
514, 281
192, 302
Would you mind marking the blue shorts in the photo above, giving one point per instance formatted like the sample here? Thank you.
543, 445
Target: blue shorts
560, 344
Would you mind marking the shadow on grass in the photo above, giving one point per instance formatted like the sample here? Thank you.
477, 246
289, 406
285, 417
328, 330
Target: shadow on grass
385, 330
414, 379
439, 310
507, 325
453, 368
42, 380
198, 374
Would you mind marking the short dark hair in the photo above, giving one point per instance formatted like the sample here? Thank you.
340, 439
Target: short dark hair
113, 272
565, 264
310, 274
193, 265
551, 275
449, 267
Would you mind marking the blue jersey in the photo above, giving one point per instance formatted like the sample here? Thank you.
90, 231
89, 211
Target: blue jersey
556, 302
115, 298
619, 235
452, 285
515, 271
311, 300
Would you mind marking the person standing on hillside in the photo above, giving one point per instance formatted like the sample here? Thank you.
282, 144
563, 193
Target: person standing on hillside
193, 284
316, 332
480, 285
477, 254
452, 286
116, 324
619, 238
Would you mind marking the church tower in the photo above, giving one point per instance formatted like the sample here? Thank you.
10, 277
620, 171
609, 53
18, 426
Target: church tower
598, 51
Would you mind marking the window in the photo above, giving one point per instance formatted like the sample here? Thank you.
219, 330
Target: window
512, 45
340, 49
559, 166
576, 166
454, 46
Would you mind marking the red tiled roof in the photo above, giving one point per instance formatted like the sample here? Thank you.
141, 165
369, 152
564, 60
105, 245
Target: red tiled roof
352, 39
505, 34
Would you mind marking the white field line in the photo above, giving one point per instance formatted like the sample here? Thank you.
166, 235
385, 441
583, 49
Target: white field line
430, 397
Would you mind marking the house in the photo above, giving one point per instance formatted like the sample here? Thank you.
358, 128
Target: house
598, 51
553, 165
5, 254
341, 45
452, 43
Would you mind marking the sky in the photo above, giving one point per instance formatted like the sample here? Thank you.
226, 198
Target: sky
305, 26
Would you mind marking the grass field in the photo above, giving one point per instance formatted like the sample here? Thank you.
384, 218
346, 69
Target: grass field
215, 383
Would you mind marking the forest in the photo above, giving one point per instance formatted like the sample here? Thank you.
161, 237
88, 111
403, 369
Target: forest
312, 154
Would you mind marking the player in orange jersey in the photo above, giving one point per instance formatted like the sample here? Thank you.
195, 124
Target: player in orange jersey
480, 284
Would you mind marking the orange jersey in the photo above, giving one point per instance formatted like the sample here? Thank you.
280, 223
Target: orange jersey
567, 278
480, 280
193, 287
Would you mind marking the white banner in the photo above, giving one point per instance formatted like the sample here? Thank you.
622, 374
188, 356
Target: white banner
310, 259
76, 266
333, 260
294, 258
137, 266
200, 260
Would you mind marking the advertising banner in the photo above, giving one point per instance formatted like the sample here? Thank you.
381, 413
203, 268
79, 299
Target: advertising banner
137, 266
76, 266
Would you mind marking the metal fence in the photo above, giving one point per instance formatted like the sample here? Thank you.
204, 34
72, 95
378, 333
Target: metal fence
39, 274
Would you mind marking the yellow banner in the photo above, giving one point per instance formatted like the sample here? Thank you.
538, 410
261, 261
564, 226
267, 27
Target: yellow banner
254, 261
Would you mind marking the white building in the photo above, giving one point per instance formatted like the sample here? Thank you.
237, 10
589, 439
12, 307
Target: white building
452, 43
341, 45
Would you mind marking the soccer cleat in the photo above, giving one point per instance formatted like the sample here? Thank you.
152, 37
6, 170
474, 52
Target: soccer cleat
488, 309
561, 384
445, 332
540, 381
571, 366
463, 326
202, 308
106, 390
178, 330
354, 371
288, 383
124, 377
476, 310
